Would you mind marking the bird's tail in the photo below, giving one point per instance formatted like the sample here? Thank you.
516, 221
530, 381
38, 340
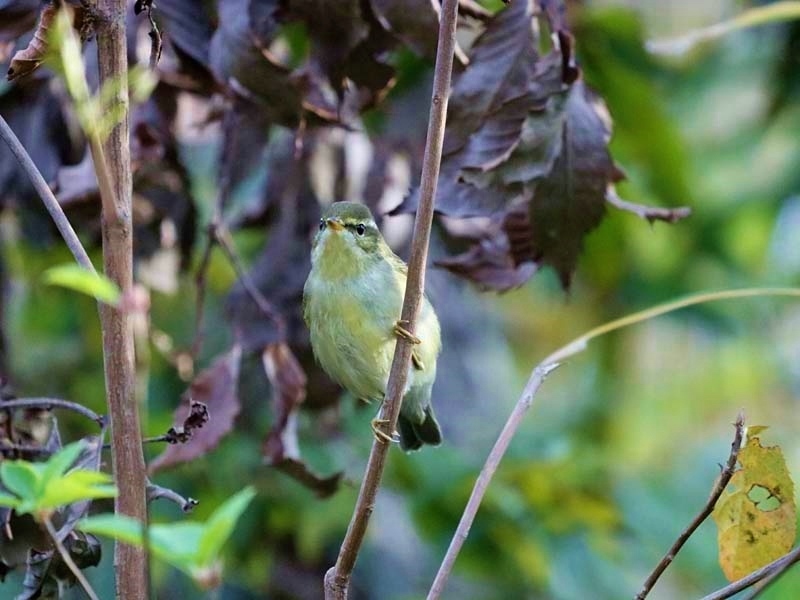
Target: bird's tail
413, 435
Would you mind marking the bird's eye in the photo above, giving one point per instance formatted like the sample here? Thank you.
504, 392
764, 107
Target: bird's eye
321, 224
360, 229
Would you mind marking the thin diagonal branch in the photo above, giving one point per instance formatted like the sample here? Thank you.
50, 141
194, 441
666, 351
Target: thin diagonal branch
719, 487
225, 242
337, 579
777, 572
542, 369
49, 403
776, 567
45, 193
487, 472
65, 556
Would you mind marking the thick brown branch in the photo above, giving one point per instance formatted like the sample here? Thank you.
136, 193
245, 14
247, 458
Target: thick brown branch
719, 487
46, 194
112, 163
487, 472
337, 578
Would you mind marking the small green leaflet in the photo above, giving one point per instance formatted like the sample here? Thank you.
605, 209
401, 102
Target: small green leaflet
75, 277
192, 547
42, 487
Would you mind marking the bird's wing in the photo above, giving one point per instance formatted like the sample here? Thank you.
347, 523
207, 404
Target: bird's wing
397, 263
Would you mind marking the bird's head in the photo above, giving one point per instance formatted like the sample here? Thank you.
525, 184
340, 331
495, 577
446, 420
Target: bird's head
348, 240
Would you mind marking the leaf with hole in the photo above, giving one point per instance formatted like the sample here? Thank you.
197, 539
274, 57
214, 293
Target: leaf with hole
755, 516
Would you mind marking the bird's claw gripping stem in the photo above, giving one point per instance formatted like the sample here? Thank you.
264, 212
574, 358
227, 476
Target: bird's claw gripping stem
402, 332
380, 435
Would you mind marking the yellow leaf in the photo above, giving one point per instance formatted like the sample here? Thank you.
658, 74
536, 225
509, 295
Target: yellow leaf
755, 516
755, 430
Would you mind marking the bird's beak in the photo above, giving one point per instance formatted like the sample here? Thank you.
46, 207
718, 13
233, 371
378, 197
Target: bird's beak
335, 223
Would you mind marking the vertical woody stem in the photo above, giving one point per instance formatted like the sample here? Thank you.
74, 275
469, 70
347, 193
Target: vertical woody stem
114, 170
337, 578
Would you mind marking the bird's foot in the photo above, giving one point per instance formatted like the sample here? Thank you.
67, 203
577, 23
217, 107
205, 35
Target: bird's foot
401, 331
417, 362
380, 435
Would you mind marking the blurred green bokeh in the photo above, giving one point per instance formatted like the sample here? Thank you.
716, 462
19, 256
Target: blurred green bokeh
622, 444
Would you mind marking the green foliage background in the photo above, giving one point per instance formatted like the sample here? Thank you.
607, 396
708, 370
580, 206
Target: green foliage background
622, 444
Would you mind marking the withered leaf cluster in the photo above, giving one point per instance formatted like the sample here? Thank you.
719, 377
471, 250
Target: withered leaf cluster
526, 171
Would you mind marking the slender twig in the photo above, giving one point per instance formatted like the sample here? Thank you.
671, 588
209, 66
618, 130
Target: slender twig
45, 193
719, 487
338, 577
778, 566
570, 349
649, 213
113, 169
48, 403
164, 437
155, 39
580, 343
154, 492
169, 438
200, 278
68, 559
778, 572
487, 472
218, 234
225, 242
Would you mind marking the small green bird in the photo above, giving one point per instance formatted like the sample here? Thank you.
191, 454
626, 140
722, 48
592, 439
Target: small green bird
351, 303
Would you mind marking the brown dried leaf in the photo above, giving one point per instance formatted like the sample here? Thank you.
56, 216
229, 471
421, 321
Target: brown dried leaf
502, 63
570, 200
489, 264
335, 29
28, 59
555, 12
216, 388
196, 419
415, 23
298, 470
234, 56
287, 378
525, 131
281, 448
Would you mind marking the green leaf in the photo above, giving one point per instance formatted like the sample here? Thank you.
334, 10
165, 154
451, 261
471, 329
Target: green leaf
192, 547
220, 524
44, 486
59, 462
9, 500
119, 527
174, 543
22, 478
77, 278
76, 486
178, 543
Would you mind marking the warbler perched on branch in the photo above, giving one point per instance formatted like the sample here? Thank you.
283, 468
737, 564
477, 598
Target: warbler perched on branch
351, 303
